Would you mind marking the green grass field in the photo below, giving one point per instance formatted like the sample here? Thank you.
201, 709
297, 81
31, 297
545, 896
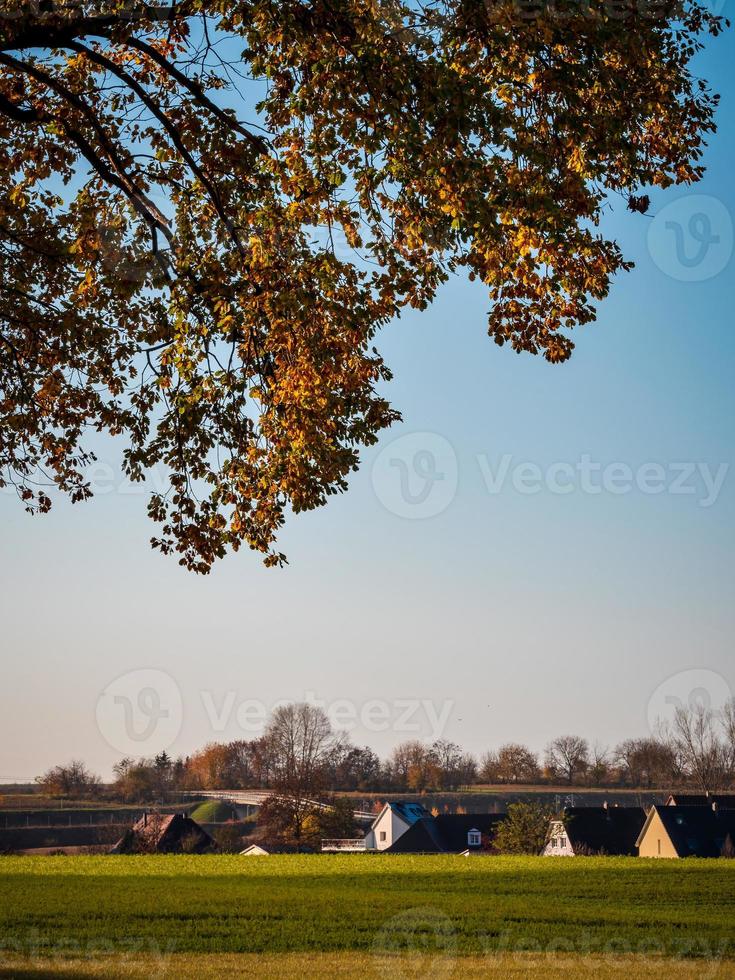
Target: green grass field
213, 811
366, 913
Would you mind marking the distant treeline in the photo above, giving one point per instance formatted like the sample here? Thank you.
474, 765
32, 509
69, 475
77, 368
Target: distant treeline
697, 750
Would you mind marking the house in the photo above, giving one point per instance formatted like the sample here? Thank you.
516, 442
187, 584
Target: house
255, 850
409, 828
675, 831
595, 830
164, 833
448, 833
724, 800
391, 823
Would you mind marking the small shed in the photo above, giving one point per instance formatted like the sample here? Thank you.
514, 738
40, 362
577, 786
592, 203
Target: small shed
265, 848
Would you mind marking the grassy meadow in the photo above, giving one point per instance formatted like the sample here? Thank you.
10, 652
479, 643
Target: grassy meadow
359, 915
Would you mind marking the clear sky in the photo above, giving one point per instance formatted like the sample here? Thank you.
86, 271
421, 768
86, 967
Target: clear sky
453, 591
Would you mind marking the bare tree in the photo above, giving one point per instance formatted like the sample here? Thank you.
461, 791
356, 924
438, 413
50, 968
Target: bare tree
490, 768
727, 718
456, 767
567, 757
599, 767
647, 762
301, 743
357, 768
703, 756
74, 781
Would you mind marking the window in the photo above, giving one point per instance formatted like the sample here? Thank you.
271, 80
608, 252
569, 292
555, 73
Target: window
474, 838
382, 835
553, 841
562, 841
659, 845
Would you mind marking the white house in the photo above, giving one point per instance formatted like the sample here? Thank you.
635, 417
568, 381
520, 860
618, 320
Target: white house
558, 844
391, 823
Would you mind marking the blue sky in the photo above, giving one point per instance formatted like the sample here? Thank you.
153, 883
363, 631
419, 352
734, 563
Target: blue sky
504, 615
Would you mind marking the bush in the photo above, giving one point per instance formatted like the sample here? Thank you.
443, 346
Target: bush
525, 830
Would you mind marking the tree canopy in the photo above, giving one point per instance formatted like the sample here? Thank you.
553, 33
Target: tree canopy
174, 180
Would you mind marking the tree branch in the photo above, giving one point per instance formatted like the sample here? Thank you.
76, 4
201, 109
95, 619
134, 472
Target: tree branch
118, 175
38, 31
105, 63
18, 113
257, 142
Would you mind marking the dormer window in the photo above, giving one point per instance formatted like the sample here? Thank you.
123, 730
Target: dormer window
474, 838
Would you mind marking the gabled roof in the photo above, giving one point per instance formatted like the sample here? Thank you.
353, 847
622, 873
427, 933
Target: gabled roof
725, 800
407, 810
164, 832
695, 831
444, 834
418, 839
608, 830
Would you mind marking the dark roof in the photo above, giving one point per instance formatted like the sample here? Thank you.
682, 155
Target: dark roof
164, 833
697, 831
604, 830
408, 810
444, 834
418, 839
725, 800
